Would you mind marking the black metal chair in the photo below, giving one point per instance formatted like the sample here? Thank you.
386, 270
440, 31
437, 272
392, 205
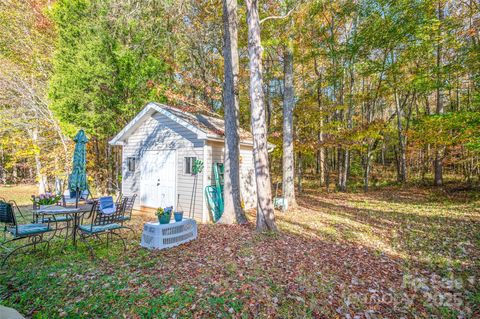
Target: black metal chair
14, 205
33, 232
102, 224
119, 199
129, 202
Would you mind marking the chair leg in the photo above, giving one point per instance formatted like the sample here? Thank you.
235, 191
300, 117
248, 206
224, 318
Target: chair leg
47, 246
130, 229
65, 240
121, 238
33, 243
83, 239
99, 239
11, 253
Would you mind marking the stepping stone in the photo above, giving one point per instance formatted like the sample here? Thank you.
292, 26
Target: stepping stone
9, 313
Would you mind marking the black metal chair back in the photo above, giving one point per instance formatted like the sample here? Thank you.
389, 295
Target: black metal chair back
100, 219
119, 199
129, 203
7, 215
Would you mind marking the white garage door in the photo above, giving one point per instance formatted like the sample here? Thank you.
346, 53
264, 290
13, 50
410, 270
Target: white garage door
158, 173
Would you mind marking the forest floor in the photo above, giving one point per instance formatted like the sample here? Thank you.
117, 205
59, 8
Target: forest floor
391, 253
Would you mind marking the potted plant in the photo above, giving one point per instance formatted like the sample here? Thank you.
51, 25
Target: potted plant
178, 214
46, 200
164, 215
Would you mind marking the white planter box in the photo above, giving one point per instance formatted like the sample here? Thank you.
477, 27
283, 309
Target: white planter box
160, 236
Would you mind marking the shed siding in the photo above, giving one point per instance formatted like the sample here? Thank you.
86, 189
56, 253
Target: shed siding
159, 132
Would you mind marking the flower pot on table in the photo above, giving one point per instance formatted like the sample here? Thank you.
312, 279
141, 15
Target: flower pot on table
165, 218
178, 216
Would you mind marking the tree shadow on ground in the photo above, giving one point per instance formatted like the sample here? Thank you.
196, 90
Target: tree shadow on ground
435, 234
229, 271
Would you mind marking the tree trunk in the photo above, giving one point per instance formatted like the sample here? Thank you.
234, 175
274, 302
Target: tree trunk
326, 169
265, 211
41, 179
233, 212
300, 173
347, 159
366, 169
14, 173
321, 151
342, 168
437, 163
402, 156
346, 167
288, 151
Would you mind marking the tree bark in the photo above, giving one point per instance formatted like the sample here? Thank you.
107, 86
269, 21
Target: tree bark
347, 154
366, 168
300, 173
402, 156
346, 166
41, 179
288, 150
265, 211
437, 162
339, 168
233, 212
321, 150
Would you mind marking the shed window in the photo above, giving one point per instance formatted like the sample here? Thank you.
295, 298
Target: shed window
189, 162
131, 163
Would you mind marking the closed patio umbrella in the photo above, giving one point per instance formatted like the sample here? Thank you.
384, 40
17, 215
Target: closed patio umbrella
77, 181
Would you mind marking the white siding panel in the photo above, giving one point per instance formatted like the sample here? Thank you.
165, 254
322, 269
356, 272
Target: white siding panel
189, 187
160, 132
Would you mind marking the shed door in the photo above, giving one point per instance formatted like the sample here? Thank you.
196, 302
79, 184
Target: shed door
158, 173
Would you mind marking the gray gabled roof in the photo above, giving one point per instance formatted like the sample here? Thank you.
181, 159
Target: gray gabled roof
206, 127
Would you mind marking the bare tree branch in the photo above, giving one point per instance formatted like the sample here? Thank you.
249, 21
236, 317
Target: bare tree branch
278, 17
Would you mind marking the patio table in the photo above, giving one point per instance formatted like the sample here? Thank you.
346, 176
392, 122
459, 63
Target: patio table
60, 210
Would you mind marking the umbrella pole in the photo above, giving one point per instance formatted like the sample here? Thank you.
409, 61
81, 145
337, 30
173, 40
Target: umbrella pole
76, 198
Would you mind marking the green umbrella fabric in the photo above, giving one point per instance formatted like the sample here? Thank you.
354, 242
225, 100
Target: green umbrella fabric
78, 178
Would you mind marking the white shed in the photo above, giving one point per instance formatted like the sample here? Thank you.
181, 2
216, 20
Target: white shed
159, 146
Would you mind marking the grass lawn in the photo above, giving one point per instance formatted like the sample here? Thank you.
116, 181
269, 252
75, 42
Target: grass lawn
22, 194
395, 252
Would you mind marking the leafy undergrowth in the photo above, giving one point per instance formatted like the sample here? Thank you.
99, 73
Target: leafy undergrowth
391, 253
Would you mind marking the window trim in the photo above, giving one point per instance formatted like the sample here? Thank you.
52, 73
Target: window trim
131, 161
189, 161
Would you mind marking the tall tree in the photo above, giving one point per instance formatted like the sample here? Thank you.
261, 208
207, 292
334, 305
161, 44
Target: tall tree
437, 163
233, 212
106, 67
26, 43
288, 105
265, 210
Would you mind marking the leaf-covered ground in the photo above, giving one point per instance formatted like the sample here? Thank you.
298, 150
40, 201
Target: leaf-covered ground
391, 253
